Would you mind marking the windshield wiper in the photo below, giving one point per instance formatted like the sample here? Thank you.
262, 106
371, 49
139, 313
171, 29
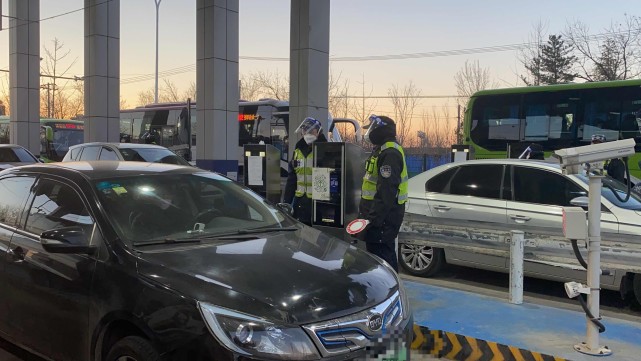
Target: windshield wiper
249, 233
166, 240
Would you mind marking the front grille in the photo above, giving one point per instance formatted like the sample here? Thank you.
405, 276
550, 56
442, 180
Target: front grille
354, 332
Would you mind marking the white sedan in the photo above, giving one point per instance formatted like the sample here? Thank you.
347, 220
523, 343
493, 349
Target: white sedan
462, 213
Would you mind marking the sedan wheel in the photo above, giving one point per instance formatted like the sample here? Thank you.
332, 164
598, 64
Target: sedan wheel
420, 260
132, 348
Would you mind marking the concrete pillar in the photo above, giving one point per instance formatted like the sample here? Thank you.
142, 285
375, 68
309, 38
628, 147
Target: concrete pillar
217, 86
102, 71
24, 73
308, 63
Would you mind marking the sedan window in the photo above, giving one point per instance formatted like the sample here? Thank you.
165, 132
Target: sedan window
539, 186
479, 180
57, 205
440, 182
108, 154
611, 185
152, 155
13, 194
89, 153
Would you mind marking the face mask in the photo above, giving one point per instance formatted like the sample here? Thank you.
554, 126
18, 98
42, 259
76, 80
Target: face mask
310, 138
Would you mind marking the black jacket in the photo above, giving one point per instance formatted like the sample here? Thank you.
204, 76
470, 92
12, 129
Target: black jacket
390, 166
290, 187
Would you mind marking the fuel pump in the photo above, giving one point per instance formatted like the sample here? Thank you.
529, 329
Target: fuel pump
337, 175
261, 172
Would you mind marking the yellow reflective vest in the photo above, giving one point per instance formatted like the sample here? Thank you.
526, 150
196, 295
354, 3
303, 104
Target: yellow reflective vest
303, 169
370, 179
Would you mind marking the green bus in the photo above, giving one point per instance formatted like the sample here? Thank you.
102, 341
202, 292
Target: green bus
56, 136
501, 123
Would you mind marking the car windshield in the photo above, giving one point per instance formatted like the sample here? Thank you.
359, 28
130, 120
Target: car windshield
179, 206
16, 155
152, 155
611, 185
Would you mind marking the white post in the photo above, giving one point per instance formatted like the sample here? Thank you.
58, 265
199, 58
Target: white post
591, 345
516, 267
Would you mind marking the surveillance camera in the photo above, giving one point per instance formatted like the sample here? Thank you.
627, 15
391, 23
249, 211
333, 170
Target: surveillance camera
572, 157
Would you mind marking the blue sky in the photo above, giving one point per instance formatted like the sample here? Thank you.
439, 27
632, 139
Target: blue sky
358, 27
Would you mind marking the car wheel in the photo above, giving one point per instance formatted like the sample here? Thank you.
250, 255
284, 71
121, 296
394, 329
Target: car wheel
132, 348
636, 287
419, 260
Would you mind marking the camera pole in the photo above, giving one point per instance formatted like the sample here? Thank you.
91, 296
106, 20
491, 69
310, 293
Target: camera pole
591, 345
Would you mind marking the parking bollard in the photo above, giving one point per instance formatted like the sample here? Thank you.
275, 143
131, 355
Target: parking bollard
516, 267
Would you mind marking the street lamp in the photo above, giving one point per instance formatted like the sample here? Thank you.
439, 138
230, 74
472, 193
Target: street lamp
156, 88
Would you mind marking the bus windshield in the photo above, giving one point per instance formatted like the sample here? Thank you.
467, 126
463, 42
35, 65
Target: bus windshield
65, 135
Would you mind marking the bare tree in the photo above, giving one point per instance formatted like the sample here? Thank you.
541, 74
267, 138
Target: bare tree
249, 87
470, 79
273, 85
530, 56
363, 106
62, 98
404, 101
190, 93
146, 97
614, 55
4, 94
169, 92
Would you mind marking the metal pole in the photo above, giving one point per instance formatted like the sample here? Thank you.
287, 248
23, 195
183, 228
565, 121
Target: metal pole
591, 346
516, 267
156, 87
458, 125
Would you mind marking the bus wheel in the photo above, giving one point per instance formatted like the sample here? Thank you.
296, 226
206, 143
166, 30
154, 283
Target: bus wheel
420, 260
636, 287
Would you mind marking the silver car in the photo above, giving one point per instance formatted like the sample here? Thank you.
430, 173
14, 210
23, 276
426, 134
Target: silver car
462, 213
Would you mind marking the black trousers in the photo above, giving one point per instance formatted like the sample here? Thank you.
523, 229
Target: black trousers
381, 240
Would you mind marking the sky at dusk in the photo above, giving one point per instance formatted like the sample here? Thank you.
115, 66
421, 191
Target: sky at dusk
358, 28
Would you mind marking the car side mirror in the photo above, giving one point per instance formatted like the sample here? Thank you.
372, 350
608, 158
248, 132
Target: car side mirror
582, 202
66, 240
286, 207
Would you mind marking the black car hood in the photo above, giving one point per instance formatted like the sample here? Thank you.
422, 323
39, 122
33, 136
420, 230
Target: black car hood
295, 277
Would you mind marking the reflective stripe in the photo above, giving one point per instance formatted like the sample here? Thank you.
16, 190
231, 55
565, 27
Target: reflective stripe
368, 194
371, 177
303, 169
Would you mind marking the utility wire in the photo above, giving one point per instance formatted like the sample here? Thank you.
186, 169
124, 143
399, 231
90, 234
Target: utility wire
27, 21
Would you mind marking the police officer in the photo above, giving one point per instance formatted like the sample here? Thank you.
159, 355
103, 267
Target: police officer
384, 190
298, 190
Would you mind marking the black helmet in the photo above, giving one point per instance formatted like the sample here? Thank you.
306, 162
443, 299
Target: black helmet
379, 129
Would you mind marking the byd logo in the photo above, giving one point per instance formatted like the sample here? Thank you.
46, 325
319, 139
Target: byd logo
375, 322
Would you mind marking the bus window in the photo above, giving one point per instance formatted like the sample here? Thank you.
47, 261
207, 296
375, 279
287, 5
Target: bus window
601, 117
631, 119
549, 116
194, 124
495, 120
125, 130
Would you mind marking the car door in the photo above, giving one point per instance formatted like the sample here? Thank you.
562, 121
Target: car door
53, 289
472, 214
14, 191
539, 196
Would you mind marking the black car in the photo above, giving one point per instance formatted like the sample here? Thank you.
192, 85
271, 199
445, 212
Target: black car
131, 152
146, 261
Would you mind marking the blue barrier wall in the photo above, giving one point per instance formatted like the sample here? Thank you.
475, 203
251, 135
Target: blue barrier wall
419, 163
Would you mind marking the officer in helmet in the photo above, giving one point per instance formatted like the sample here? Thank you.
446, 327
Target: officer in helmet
384, 190
298, 190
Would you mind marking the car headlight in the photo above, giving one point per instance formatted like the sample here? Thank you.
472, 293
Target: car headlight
250, 335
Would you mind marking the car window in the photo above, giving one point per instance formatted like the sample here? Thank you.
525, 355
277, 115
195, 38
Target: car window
152, 155
13, 194
440, 182
611, 185
108, 154
57, 205
480, 180
74, 153
89, 153
532, 185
